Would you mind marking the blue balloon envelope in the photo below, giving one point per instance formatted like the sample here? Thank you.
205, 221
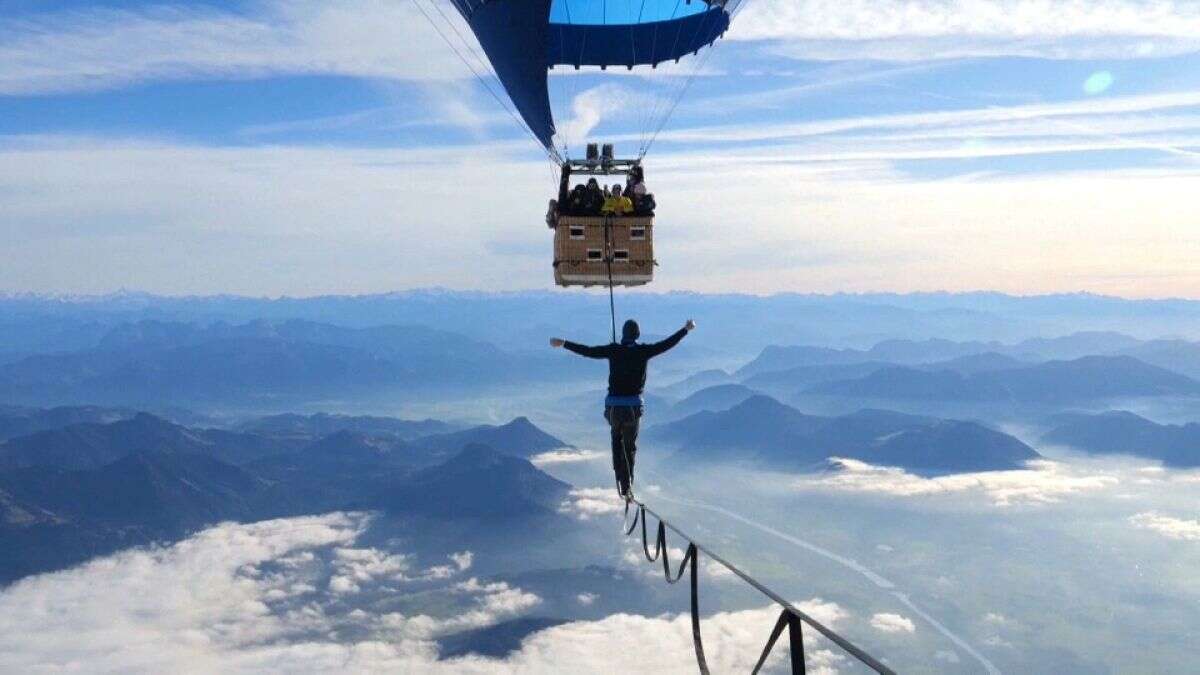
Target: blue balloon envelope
524, 39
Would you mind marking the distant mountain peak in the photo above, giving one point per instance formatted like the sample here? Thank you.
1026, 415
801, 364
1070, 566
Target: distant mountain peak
520, 437
761, 402
479, 481
478, 455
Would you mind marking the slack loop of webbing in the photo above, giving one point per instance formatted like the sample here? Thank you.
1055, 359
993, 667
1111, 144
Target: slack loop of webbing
636, 515
690, 561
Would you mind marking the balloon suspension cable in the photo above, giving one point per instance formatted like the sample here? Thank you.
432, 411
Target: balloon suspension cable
674, 99
551, 152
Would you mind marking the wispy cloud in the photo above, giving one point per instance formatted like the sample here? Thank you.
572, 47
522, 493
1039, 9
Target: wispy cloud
903, 30
92, 49
1097, 124
1168, 526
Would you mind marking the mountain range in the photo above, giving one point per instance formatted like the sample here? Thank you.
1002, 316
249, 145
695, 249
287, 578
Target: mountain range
912, 352
769, 433
91, 445
22, 421
153, 362
1119, 432
1084, 379
86, 489
311, 427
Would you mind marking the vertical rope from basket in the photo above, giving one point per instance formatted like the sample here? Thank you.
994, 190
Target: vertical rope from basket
608, 257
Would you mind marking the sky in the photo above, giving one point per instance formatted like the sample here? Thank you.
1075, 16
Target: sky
268, 147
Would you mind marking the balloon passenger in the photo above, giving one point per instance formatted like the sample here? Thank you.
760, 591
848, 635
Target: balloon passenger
617, 204
626, 381
595, 198
577, 202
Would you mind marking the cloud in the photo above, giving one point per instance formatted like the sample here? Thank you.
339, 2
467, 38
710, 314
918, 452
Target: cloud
101, 48
997, 619
566, 456
892, 623
587, 503
91, 215
1117, 114
237, 599
463, 560
1043, 482
947, 655
593, 106
241, 598
732, 641
1168, 526
903, 30
104, 48
997, 642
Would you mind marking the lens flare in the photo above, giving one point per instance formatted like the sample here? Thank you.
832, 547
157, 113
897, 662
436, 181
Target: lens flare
1098, 83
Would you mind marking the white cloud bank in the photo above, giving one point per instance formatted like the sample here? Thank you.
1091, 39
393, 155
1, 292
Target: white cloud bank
1043, 482
911, 30
87, 215
1168, 526
255, 598
886, 622
588, 503
567, 457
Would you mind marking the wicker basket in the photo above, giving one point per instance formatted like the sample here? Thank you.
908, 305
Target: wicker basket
583, 244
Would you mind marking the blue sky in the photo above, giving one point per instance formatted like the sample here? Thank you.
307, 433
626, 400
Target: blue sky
339, 147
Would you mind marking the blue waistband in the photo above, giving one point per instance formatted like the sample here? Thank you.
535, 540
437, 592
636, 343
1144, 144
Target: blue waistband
623, 401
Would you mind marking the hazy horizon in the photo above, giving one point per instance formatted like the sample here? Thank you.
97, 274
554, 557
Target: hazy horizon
131, 292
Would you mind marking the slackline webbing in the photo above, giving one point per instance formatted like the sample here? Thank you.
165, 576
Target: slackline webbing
790, 618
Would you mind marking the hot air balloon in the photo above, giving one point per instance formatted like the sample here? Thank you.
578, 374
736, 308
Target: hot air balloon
524, 40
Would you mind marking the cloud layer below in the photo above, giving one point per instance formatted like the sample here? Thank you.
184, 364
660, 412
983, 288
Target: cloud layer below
1042, 483
297, 596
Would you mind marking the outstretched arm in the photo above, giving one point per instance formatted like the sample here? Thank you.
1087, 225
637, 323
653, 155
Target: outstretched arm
660, 347
582, 350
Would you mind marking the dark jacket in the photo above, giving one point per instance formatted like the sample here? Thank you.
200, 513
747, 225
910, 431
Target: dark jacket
593, 200
627, 362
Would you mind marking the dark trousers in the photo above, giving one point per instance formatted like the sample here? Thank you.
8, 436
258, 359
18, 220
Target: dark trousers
624, 422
